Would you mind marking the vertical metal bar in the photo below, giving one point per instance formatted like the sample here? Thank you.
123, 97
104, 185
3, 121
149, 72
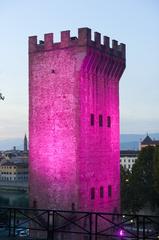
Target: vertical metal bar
96, 225
137, 226
48, 224
90, 226
10, 222
14, 221
144, 237
53, 225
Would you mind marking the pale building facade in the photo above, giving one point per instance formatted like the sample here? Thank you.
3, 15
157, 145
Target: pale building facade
128, 158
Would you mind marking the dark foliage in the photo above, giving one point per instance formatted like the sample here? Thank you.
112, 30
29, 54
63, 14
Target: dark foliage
142, 186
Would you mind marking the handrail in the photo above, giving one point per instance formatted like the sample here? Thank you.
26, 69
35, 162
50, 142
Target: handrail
50, 222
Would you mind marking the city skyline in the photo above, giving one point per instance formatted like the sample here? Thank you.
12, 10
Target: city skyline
132, 23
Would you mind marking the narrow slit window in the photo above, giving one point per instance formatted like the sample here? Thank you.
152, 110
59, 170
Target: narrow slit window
108, 122
34, 204
92, 193
100, 120
92, 119
109, 190
101, 192
73, 207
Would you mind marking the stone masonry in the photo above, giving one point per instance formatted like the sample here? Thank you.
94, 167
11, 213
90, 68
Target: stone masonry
74, 122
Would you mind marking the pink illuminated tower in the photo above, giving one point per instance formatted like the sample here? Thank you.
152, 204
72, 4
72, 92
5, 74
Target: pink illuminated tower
74, 122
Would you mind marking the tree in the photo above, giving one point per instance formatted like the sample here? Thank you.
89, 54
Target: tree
142, 180
124, 186
143, 186
156, 169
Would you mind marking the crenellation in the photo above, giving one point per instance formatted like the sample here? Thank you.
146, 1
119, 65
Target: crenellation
83, 39
115, 50
84, 36
122, 49
114, 44
106, 41
97, 39
32, 44
48, 41
65, 38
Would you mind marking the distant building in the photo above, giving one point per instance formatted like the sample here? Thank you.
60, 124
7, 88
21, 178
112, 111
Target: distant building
10, 171
25, 143
148, 142
128, 158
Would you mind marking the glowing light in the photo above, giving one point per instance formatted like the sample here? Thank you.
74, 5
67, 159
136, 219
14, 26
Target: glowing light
121, 233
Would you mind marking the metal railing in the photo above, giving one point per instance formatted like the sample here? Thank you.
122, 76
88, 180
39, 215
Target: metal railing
58, 224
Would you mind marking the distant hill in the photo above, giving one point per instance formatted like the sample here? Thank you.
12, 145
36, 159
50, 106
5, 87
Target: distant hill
8, 144
131, 141
127, 141
134, 145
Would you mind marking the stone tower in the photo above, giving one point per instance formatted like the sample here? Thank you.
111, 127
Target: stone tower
25, 143
74, 122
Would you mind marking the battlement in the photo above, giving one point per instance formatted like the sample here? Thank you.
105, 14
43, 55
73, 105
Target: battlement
83, 39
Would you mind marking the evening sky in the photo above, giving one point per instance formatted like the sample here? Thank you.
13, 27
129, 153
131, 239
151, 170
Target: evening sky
134, 22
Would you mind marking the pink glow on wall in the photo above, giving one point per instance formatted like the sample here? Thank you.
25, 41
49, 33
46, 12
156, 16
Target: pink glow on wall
69, 154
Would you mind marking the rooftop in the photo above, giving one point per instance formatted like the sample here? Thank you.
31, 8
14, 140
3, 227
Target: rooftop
148, 141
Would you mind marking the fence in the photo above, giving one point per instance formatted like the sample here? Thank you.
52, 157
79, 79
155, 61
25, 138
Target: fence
57, 224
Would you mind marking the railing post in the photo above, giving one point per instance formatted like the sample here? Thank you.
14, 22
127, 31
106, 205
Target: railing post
144, 227
10, 222
53, 225
96, 225
90, 226
14, 221
48, 224
137, 226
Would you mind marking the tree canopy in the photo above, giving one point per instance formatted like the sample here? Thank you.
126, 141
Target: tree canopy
142, 186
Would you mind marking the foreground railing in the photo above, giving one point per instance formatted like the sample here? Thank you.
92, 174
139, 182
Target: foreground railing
57, 224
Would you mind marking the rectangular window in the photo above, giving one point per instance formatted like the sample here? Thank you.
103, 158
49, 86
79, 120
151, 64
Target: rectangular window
92, 193
108, 122
109, 190
100, 120
92, 119
101, 192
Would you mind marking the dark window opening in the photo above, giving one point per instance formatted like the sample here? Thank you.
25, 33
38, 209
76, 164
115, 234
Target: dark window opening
34, 204
100, 120
73, 207
92, 119
108, 121
109, 190
92, 193
101, 192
